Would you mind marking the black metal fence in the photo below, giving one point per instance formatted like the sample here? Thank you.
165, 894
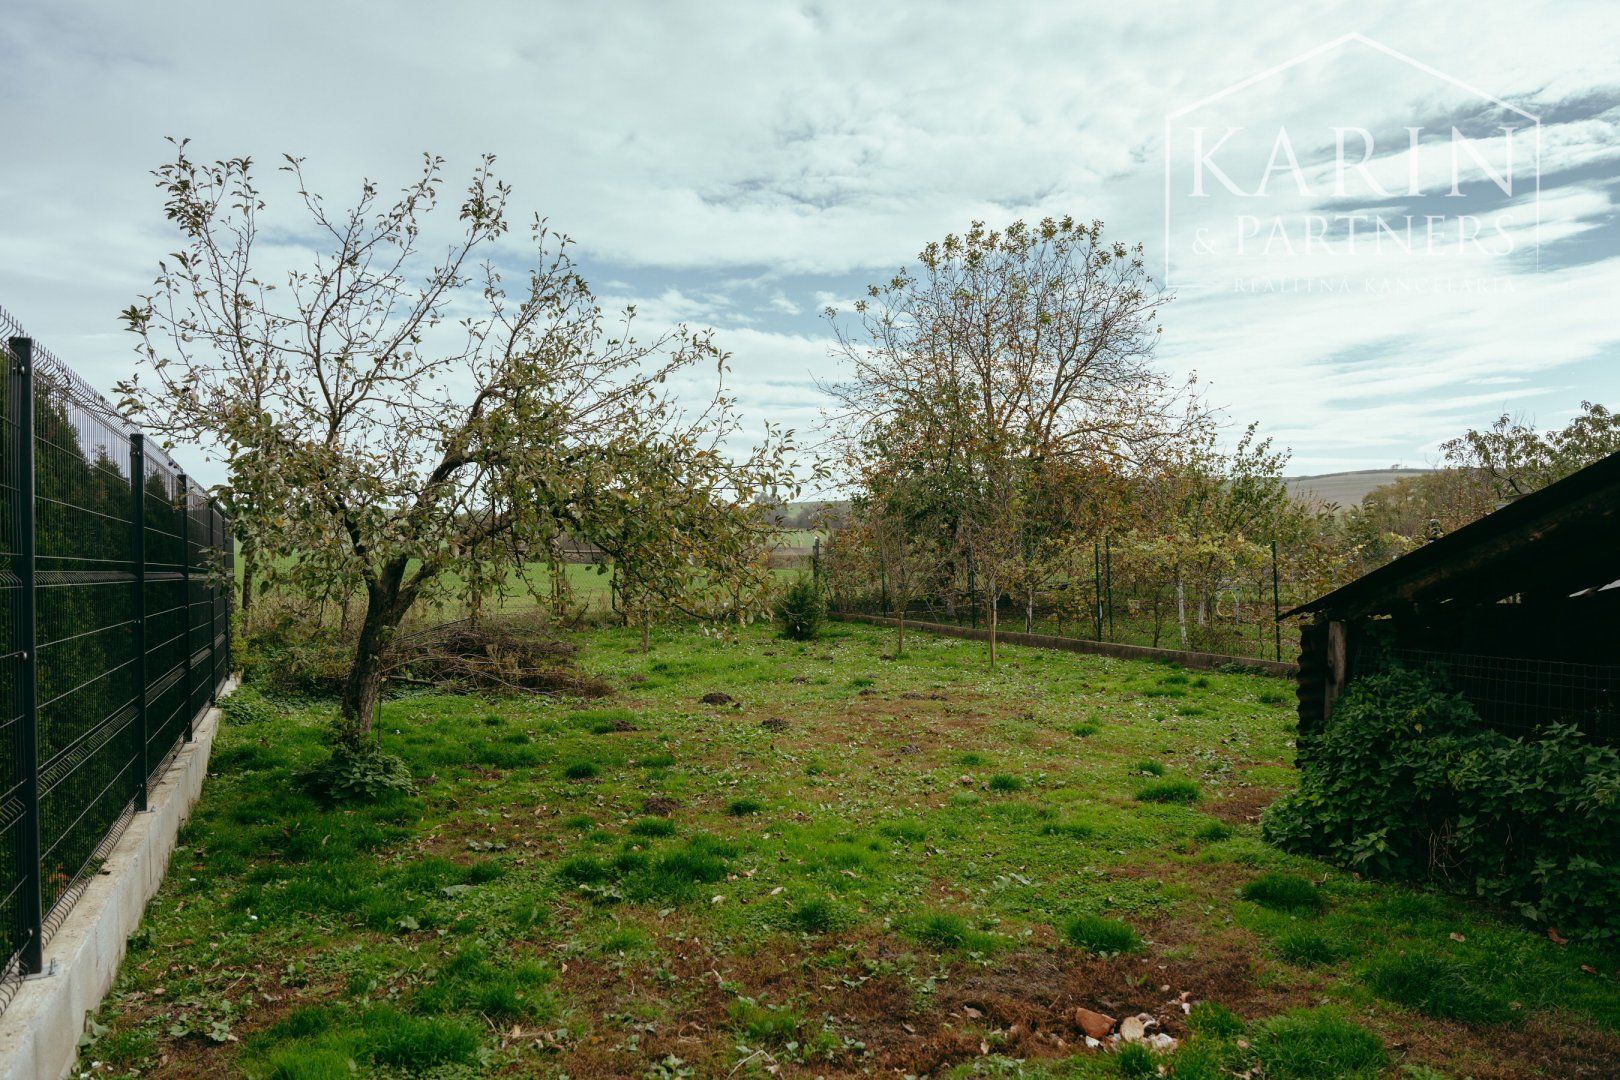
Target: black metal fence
114, 635
1107, 598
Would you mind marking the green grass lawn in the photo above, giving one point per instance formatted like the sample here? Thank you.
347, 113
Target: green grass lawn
858, 866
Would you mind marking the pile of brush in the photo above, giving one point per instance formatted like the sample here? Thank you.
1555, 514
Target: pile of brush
513, 654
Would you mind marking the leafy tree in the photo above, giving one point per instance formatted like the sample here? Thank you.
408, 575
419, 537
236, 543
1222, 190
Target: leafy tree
1518, 459
1003, 354
401, 424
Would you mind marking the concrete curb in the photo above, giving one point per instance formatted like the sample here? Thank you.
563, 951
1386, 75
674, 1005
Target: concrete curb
40, 1029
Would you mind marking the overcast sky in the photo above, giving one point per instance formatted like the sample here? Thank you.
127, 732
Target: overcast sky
744, 166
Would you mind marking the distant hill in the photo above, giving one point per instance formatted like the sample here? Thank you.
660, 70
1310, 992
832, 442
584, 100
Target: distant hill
1345, 489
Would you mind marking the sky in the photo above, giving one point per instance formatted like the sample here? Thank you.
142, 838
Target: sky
745, 166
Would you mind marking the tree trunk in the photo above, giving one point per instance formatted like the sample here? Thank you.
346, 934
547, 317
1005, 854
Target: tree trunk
250, 565
900, 635
995, 597
1181, 607
646, 633
386, 605
1029, 610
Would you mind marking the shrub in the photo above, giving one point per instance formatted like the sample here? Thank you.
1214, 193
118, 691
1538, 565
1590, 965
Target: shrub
1284, 892
1169, 791
1404, 782
802, 610
287, 651
1096, 934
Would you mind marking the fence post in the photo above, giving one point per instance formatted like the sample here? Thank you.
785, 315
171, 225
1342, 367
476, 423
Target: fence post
21, 398
185, 603
1276, 602
228, 546
1108, 580
137, 517
213, 607
1096, 590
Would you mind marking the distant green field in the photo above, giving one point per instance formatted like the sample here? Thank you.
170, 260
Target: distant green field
591, 586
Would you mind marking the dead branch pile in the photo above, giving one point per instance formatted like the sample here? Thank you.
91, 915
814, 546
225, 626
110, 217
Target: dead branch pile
507, 655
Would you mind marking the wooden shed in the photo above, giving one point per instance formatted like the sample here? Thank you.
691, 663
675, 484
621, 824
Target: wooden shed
1519, 610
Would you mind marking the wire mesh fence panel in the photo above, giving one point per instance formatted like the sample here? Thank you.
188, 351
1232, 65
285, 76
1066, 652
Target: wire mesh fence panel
87, 674
110, 614
1517, 695
165, 610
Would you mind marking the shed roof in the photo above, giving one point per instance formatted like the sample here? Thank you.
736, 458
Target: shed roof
1549, 544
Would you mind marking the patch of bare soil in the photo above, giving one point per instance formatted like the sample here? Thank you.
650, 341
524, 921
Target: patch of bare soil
1241, 805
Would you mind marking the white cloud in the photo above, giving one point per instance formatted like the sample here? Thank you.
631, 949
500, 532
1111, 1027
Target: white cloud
743, 165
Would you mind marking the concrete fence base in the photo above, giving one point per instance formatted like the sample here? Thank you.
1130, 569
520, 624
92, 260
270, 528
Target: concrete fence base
40, 1029
1180, 657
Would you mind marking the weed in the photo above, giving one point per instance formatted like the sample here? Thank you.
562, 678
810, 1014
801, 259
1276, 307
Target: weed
1309, 946
1285, 892
582, 770
603, 721
582, 870
1168, 791
1005, 782
770, 1024
1083, 731
1312, 1044
947, 930
653, 826
1136, 1061
1099, 935
744, 807
1074, 830
1212, 832
412, 1042
1151, 768
1215, 1020
1439, 986
817, 915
